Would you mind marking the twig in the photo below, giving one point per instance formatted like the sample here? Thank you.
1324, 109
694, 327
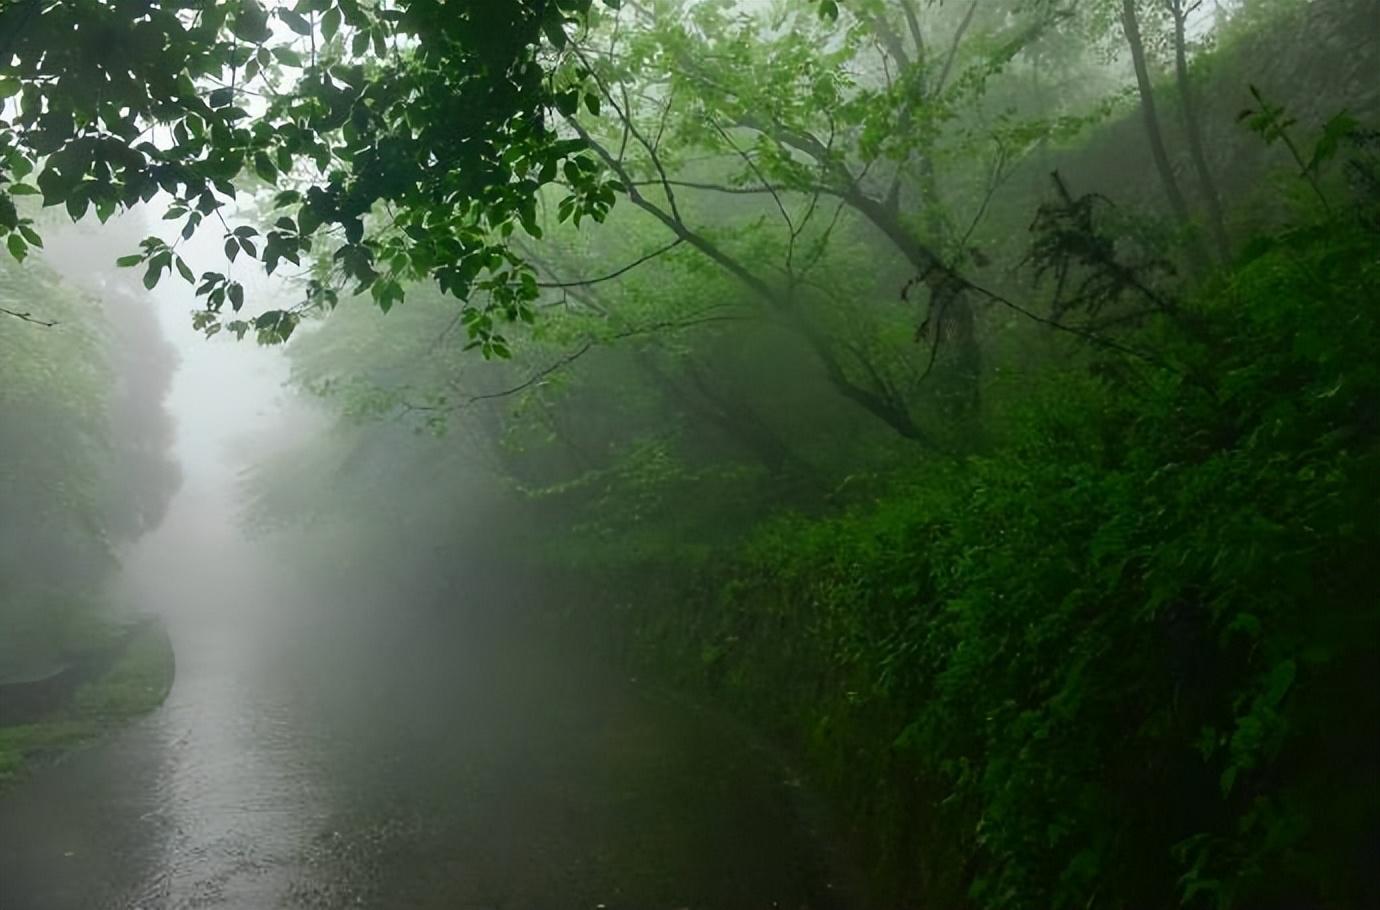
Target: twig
567, 359
28, 317
538, 376
612, 275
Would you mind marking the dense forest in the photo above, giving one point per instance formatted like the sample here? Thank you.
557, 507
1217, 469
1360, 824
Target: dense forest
977, 400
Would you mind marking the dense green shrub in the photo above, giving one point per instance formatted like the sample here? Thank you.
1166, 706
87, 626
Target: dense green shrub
1103, 665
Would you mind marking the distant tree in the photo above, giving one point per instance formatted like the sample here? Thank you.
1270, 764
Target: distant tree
1145, 29
85, 439
1154, 135
1179, 12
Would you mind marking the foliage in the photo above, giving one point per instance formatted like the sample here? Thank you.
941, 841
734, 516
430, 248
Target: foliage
1102, 638
434, 110
1091, 646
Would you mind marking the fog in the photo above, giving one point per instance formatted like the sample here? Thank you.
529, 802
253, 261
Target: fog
229, 408
340, 735
654, 456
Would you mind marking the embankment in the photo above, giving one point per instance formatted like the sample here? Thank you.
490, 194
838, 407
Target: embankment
84, 699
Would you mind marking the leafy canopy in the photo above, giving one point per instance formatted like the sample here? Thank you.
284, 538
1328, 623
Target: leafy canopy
405, 138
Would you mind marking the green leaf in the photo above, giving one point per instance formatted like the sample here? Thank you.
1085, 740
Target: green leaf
1334, 131
287, 56
295, 21
251, 22
568, 102
555, 32
1278, 682
330, 23
263, 166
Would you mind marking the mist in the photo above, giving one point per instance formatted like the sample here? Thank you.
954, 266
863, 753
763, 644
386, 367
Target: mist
822, 455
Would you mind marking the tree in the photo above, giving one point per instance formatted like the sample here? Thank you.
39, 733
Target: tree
1130, 25
1179, 12
1133, 18
821, 122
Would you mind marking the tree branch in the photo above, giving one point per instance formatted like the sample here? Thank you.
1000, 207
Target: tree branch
612, 275
913, 24
537, 377
953, 48
899, 420
28, 317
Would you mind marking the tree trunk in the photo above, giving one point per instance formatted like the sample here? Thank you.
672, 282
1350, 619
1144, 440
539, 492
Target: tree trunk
1193, 130
1131, 27
735, 418
947, 295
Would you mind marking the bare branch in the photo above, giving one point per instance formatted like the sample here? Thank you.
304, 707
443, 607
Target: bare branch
612, 275
625, 114
953, 48
761, 190
822, 242
672, 219
28, 317
888, 38
913, 24
996, 177
665, 116
752, 166
537, 377
584, 348
1099, 340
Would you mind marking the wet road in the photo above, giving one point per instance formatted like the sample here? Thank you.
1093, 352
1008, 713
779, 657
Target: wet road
308, 773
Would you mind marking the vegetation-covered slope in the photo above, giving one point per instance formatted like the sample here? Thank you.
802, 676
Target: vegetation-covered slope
1118, 656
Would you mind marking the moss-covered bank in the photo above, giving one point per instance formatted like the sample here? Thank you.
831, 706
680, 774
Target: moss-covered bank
137, 681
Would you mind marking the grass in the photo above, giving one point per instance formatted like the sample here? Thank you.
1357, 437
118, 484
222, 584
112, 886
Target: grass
138, 682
